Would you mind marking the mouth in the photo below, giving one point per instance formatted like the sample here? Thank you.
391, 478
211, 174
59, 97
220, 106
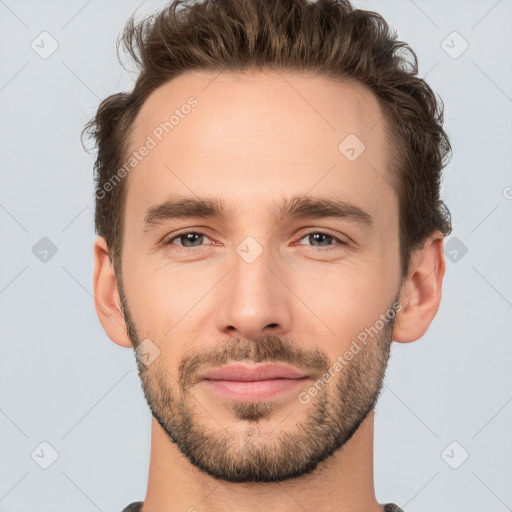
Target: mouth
256, 383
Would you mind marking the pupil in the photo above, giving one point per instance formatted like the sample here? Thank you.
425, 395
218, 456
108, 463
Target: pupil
189, 237
316, 235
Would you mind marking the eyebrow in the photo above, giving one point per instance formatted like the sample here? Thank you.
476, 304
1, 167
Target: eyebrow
300, 207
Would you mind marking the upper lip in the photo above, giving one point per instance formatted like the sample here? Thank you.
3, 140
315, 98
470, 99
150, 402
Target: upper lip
238, 372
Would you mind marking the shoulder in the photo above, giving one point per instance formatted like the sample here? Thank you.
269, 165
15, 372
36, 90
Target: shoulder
133, 507
391, 507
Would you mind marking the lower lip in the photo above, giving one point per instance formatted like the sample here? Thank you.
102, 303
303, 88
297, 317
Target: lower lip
255, 390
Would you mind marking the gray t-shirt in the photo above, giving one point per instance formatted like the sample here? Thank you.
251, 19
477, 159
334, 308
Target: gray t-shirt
137, 507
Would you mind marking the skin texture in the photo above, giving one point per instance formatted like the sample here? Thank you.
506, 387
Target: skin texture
253, 140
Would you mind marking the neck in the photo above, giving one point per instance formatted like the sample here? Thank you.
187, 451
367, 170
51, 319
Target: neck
343, 482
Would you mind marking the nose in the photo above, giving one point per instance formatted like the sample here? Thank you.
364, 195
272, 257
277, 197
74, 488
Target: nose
255, 300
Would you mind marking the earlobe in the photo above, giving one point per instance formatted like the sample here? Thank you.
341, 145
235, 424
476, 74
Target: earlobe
421, 291
106, 296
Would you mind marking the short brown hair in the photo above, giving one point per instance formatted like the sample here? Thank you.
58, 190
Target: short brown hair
324, 37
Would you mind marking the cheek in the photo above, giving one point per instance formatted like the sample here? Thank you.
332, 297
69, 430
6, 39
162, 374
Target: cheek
153, 297
170, 301
345, 298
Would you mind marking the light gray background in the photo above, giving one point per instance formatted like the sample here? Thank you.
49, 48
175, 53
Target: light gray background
64, 382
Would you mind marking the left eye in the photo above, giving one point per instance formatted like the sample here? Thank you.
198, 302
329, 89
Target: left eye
323, 238
192, 239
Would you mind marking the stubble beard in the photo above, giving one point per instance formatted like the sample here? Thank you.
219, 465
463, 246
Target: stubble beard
253, 454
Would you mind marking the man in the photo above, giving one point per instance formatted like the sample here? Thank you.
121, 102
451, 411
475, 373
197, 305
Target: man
269, 221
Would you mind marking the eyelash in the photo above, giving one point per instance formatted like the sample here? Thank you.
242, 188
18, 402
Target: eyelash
168, 241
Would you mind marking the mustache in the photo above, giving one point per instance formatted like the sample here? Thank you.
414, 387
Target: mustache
264, 349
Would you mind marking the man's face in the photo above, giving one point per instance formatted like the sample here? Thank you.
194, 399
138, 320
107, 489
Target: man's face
256, 287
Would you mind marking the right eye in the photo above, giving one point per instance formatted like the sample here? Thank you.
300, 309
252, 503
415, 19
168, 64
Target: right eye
186, 238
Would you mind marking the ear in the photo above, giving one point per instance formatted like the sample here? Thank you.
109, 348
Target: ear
106, 295
420, 295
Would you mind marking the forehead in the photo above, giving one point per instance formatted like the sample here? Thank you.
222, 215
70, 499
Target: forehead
258, 136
